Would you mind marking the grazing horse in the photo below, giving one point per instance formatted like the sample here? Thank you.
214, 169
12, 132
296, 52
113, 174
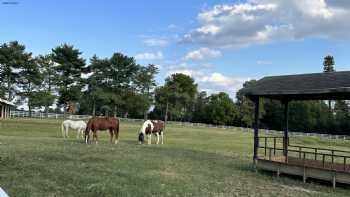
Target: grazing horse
150, 127
76, 125
105, 123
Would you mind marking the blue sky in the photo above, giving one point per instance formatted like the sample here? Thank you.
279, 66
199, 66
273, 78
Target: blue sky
219, 43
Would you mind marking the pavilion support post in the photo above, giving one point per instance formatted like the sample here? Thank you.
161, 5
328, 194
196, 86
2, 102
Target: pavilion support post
256, 130
285, 133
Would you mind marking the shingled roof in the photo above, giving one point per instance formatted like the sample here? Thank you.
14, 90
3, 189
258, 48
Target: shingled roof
332, 86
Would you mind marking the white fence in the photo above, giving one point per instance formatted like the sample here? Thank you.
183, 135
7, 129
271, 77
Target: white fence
41, 115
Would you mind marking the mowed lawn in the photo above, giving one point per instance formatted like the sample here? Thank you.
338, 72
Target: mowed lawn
36, 161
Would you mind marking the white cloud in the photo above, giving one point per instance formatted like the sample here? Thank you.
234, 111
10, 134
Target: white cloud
212, 82
188, 72
155, 42
264, 62
149, 56
172, 26
217, 78
219, 82
202, 53
262, 21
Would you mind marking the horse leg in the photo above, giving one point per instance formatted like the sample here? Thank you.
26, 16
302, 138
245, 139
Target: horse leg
162, 136
149, 138
95, 137
63, 131
116, 134
82, 133
157, 134
66, 132
86, 138
111, 134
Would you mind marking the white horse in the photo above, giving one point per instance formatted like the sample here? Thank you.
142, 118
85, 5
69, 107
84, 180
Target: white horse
80, 126
150, 127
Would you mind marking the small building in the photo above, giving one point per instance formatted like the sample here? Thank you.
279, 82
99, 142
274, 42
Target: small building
5, 108
276, 153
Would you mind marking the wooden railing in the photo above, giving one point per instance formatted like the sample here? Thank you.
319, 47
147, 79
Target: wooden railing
268, 150
326, 158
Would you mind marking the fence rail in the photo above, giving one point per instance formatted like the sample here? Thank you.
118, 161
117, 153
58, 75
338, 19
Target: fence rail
41, 115
320, 157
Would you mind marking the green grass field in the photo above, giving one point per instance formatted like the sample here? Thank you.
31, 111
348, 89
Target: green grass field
36, 161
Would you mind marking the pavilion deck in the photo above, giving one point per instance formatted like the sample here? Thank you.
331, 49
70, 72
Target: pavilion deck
310, 163
307, 162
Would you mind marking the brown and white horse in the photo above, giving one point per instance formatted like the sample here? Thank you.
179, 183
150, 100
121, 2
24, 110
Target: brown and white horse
105, 123
150, 127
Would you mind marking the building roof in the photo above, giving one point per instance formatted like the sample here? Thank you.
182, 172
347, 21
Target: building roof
6, 102
318, 86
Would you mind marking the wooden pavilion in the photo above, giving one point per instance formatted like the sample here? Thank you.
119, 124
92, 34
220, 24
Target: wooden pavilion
308, 162
5, 108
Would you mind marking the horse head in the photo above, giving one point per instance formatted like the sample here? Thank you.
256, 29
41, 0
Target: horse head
141, 138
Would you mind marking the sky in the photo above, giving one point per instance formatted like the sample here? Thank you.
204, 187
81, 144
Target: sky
220, 43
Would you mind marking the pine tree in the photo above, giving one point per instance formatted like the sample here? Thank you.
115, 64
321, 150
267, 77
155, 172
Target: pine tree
328, 64
69, 67
28, 81
12, 57
46, 95
145, 81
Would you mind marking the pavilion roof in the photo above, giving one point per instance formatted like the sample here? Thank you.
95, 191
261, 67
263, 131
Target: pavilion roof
314, 86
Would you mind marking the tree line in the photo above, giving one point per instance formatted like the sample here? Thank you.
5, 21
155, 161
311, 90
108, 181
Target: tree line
180, 100
119, 86
108, 86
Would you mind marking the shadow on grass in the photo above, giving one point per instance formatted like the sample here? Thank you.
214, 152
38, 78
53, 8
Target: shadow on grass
299, 179
224, 161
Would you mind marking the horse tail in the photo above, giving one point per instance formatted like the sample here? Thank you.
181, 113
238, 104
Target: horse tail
118, 126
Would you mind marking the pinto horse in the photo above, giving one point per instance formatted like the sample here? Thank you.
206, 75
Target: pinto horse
80, 126
150, 127
106, 123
